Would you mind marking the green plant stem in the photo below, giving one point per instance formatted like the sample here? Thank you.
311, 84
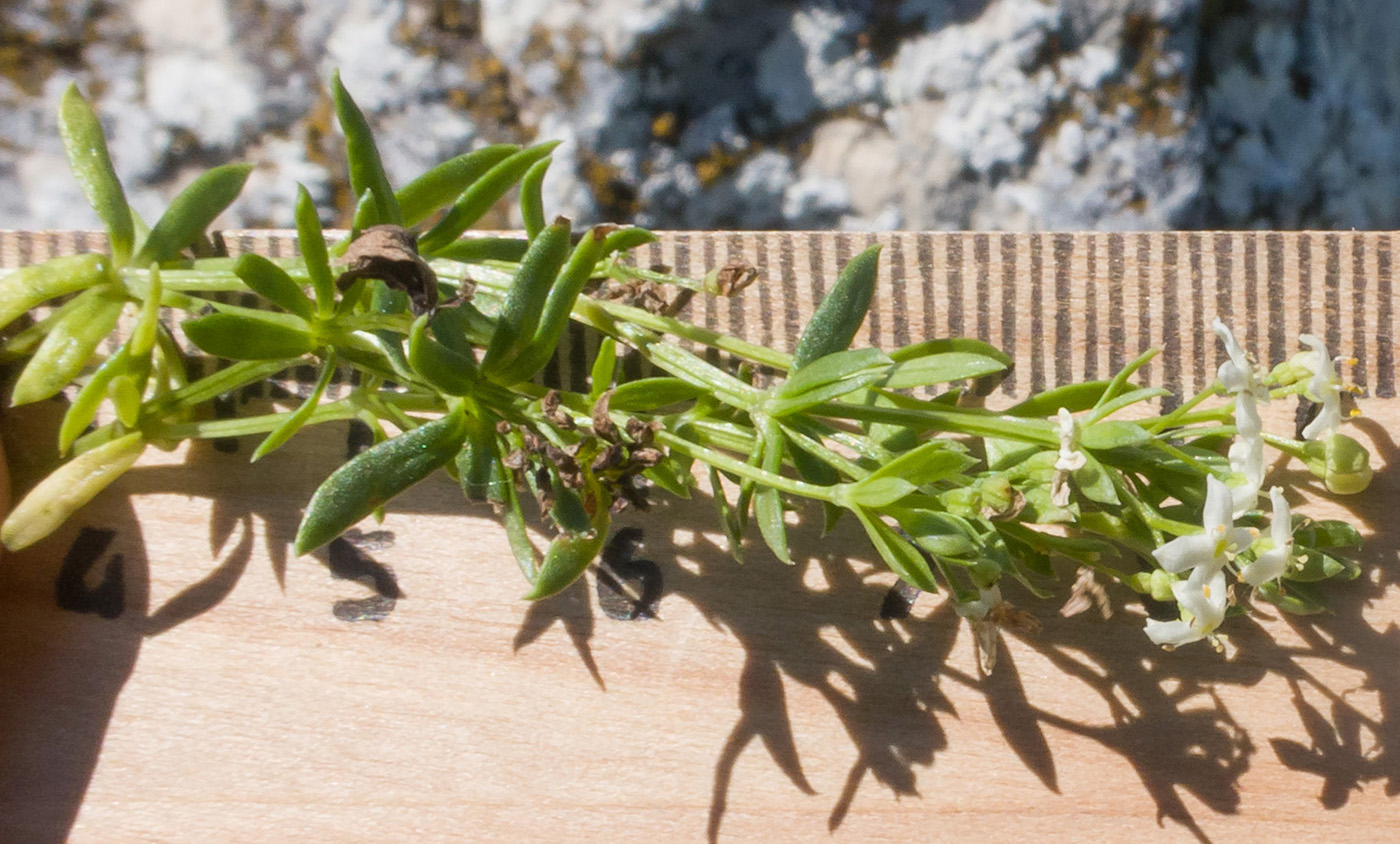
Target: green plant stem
1182, 415
215, 384
739, 468
953, 420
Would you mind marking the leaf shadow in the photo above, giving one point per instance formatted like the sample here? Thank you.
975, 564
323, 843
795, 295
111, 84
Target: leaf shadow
817, 624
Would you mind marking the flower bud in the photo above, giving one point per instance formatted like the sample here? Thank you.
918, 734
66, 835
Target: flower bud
1160, 586
1343, 464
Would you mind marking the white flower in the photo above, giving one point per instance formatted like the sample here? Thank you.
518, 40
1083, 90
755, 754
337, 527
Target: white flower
1239, 375
1216, 544
1270, 562
1203, 599
1325, 387
1071, 459
1247, 463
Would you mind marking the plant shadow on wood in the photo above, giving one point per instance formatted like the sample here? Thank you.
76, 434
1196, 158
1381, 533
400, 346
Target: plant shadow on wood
1165, 713
1349, 743
71, 627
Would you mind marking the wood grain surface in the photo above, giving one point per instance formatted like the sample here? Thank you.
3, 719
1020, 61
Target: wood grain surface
169, 672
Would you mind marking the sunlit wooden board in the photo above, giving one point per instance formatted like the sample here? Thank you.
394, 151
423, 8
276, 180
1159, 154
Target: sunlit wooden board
216, 689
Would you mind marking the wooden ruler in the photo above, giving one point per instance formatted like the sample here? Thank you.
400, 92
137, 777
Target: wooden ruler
1067, 307
169, 672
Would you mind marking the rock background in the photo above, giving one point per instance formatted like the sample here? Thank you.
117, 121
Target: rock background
885, 114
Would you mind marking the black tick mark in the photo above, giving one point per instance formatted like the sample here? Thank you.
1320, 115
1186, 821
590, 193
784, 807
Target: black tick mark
71, 591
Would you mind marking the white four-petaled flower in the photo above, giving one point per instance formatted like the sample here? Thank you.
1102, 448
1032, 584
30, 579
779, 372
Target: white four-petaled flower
1071, 459
1216, 544
1203, 596
1324, 387
1273, 557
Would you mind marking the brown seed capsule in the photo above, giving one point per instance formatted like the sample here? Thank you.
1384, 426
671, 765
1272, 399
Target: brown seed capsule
390, 254
734, 277
642, 433
549, 406
603, 425
610, 458
646, 457
503, 427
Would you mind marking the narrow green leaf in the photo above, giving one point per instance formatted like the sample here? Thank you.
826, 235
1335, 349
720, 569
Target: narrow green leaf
903, 558
516, 534
126, 400
374, 476
831, 369
1095, 483
274, 284
1128, 399
450, 371
710, 379
812, 469
1327, 533
239, 337
525, 300
73, 484
1110, 433
604, 366
481, 248
83, 408
479, 468
558, 305
768, 512
191, 212
87, 154
842, 310
1073, 397
648, 394
70, 344
767, 503
946, 345
878, 493
297, 419
1296, 598
311, 240
1120, 381
934, 461
673, 476
566, 559
728, 518
461, 328
627, 239
940, 534
421, 197
940, 369
567, 511
532, 197
366, 168
477, 199
31, 286
1315, 566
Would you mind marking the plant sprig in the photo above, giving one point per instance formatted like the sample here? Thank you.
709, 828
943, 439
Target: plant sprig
951, 496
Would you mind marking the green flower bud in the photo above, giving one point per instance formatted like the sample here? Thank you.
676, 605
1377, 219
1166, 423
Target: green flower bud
1343, 464
1160, 585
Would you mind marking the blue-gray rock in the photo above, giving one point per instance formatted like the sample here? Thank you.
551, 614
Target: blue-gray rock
1003, 114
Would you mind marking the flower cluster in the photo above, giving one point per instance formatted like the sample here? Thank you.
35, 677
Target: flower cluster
1203, 596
